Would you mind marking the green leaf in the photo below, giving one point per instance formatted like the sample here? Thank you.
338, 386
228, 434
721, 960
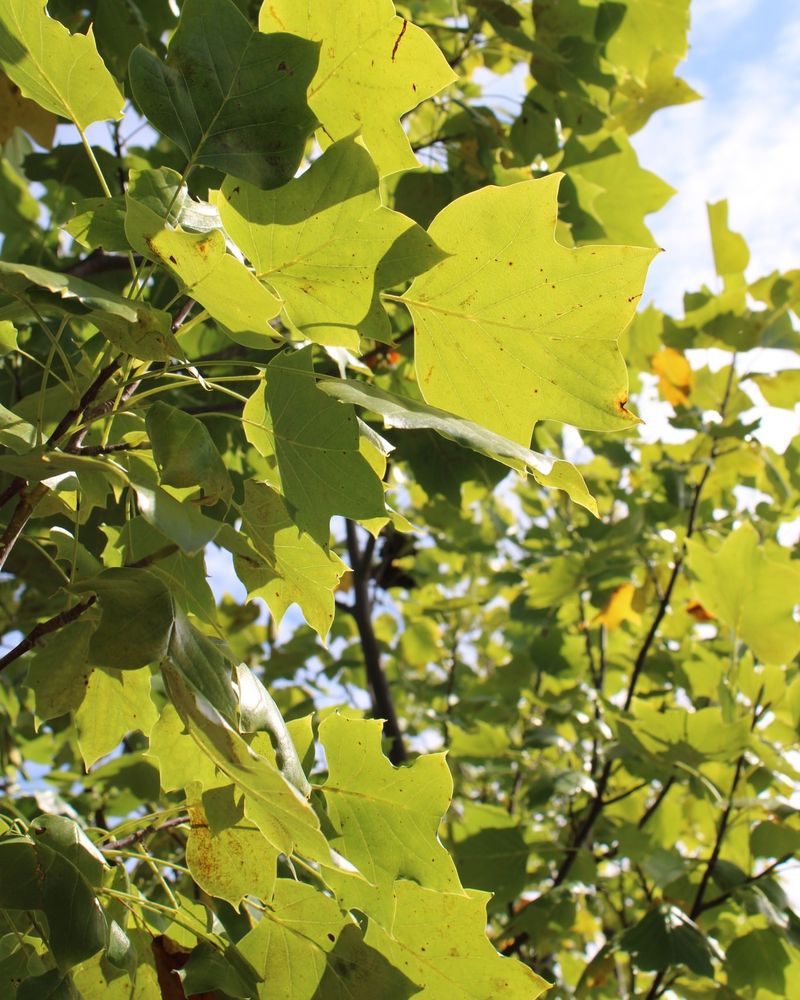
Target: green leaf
276, 807
132, 327
220, 283
61, 72
758, 959
232, 863
204, 664
327, 246
781, 389
176, 754
731, 255
8, 340
185, 453
386, 818
410, 414
59, 670
373, 67
117, 702
208, 970
64, 836
50, 985
36, 877
180, 521
519, 328
227, 96
322, 472
438, 939
665, 937
307, 949
137, 618
774, 840
750, 592
491, 853
285, 565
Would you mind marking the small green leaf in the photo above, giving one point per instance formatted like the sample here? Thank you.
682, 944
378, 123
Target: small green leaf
284, 565
36, 877
61, 72
185, 453
137, 618
665, 937
228, 96
59, 670
50, 985
731, 255
758, 959
750, 592
316, 440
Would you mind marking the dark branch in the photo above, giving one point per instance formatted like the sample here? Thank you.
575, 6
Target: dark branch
382, 702
45, 628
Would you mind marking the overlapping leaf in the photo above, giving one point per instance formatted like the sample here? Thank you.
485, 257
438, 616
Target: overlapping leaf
285, 565
228, 96
373, 67
327, 246
61, 72
519, 328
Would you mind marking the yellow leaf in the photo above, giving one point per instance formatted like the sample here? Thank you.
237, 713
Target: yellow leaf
16, 110
619, 608
676, 378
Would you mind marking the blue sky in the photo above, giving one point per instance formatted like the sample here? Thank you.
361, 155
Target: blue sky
742, 142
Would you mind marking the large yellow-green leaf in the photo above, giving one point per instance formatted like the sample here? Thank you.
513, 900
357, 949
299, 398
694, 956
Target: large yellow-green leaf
373, 67
305, 948
386, 818
327, 246
285, 565
513, 327
438, 939
228, 96
750, 592
316, 445
61, 72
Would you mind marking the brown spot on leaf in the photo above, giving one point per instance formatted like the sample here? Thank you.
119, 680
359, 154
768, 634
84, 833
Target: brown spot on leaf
399, 38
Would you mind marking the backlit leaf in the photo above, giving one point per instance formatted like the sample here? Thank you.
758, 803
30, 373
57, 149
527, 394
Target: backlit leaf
327, 245
61, 72
519, 328
373, 67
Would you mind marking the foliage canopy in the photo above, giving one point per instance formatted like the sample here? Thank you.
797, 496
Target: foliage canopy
285, 295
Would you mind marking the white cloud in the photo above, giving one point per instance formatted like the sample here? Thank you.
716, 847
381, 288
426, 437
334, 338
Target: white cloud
740, 143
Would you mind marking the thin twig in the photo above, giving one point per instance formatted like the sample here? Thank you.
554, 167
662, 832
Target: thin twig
137, 835
45, 628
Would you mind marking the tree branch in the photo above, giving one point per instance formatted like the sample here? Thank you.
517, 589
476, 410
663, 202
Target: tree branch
382, 702
45, 628
697, 905
137, 835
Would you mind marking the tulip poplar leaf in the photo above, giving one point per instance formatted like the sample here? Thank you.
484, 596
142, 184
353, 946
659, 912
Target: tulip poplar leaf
519, 328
